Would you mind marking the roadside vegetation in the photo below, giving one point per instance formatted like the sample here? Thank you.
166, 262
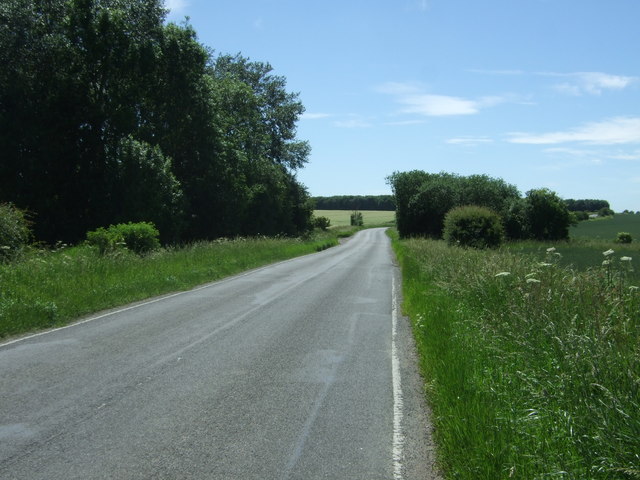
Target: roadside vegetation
50, 287
532, 368
529, 342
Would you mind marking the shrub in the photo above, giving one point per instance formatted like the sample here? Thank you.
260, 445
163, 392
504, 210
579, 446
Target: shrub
15, 232
623, 237
138, 237
321, 222
473, 226
356, 219
606, 212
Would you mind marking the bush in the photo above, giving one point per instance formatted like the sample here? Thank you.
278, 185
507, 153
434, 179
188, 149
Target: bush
356, 219
606, 212
623, 237
473, 226
15, 232
138, 237
321, 222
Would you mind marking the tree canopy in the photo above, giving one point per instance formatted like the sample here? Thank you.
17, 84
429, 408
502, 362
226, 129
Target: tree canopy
424, 199
108, 114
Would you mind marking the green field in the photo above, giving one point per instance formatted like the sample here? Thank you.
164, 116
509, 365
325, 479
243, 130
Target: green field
371, 217
589, 240
607, 228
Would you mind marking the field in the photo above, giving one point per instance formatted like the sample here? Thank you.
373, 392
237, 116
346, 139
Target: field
371, 217
589, 240
607, 228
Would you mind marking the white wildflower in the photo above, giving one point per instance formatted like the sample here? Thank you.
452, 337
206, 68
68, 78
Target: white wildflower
551, 250
533, 280
607, 253
625, 259
606, 262
502, 274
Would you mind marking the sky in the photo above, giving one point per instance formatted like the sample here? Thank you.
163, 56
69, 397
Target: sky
539, 93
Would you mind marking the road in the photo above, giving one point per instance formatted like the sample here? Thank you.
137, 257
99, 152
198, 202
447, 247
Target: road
300, 370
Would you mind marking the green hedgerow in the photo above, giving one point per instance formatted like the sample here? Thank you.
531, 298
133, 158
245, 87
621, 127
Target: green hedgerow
473, 226
141, 237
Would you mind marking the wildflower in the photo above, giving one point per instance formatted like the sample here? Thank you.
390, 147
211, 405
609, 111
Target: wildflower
502, 274
625, 259
551, 250
533, 280
5, 247
606, 262
607, 253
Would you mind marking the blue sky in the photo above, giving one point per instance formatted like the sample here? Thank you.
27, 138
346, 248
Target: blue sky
540, 93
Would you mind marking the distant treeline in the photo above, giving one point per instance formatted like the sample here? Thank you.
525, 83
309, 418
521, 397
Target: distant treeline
355, 202
588, 205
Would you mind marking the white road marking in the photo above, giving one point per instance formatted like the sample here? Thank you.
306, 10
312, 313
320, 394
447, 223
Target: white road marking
398, 404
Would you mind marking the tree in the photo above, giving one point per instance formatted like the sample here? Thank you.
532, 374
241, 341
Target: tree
108, 115
547, 215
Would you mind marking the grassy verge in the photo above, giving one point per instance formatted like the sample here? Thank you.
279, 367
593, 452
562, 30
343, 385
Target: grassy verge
49, 289
532, 369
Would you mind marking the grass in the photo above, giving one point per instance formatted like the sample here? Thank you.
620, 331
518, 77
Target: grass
371, 218
532, 368
51, 288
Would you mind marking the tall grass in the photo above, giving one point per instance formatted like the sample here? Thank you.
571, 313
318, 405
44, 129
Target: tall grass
532, 369
50, 288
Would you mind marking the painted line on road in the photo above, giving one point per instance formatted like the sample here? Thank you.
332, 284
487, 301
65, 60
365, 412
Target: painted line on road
398, 402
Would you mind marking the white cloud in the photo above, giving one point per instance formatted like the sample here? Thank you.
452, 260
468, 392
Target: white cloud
469, 141
438, 105
592, 83
619, 130
415, 101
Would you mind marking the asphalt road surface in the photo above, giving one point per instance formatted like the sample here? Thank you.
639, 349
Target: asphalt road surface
299, 370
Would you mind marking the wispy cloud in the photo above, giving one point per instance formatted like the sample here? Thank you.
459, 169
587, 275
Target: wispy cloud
591, 83
619, 130
315, 116
469, 141
415, 101
574, 83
